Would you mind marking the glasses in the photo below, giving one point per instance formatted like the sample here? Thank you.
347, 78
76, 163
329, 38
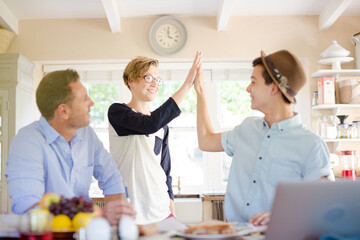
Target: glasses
150, 79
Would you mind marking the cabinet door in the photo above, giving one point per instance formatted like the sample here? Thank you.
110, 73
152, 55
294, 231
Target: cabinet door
3, 150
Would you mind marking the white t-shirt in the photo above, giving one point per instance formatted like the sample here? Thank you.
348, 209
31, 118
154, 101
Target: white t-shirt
143, 174
139, 144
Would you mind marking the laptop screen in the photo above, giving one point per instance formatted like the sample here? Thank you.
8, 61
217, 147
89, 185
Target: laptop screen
309, 210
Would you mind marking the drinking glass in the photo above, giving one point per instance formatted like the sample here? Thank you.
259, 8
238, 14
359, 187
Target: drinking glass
36, 226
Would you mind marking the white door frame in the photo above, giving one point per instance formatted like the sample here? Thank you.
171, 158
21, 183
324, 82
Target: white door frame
4, 140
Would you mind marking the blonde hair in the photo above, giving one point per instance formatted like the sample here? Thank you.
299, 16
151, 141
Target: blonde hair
137, 68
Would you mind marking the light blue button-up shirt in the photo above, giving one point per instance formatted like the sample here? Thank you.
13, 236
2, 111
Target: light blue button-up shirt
41, 160
263, 156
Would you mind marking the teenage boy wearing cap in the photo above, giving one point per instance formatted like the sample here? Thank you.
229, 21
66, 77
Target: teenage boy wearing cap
265, 150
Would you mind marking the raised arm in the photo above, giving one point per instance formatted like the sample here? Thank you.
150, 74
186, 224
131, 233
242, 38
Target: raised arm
189, 81
208, 139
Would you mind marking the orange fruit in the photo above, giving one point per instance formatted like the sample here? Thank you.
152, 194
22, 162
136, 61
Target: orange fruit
61, 223
81, 219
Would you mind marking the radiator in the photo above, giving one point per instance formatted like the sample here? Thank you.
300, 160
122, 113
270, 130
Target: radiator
218, 209
99, 201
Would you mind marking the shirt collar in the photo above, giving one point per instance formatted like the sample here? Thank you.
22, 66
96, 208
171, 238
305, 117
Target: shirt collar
49, 132
51, 135
285, 124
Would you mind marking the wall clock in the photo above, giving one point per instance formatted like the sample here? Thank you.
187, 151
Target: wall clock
167, 36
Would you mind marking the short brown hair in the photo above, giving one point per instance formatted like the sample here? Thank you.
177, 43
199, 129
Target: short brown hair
137, 68
54, 90
266, 76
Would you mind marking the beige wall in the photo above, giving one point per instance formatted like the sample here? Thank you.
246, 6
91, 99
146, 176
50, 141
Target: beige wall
41, 40
52, 40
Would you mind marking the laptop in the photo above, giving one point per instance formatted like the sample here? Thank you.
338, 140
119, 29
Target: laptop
309, 210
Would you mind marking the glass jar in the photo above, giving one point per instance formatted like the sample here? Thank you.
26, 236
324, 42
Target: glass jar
348, 161
331, 129
318, 125
353, 130
343, 130
315, 98
323, 125
356, 126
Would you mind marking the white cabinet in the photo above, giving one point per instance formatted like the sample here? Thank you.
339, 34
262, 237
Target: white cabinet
16, 89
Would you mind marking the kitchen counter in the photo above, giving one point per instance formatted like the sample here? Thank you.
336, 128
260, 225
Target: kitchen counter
187, 196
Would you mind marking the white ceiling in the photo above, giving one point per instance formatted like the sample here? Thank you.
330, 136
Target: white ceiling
11, 11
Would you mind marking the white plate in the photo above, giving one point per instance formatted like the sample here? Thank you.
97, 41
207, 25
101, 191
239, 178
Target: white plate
244, 229
207, 236
336, 59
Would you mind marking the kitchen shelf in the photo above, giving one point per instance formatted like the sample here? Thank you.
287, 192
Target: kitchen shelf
336, 140
336, 73
335, 107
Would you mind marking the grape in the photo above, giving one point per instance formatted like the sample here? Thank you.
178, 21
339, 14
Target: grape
72, 206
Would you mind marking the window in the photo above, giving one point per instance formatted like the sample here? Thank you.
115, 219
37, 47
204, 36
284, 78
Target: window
229, 104
103, 95
235, 102
186, 157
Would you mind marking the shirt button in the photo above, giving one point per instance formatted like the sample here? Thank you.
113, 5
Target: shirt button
254, 181
281, 129
268, 136
247, 204
260, 158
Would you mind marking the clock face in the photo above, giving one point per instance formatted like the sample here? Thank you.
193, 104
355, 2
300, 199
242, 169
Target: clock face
168, 36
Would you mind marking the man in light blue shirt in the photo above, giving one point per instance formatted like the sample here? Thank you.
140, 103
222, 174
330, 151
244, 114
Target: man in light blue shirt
269, 149
60, 153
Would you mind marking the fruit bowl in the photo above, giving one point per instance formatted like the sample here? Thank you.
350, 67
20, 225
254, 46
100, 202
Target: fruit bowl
68, 214
64, 235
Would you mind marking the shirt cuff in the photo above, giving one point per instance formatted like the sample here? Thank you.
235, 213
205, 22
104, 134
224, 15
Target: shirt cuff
318, 174
22, 204
173, 104
114, 189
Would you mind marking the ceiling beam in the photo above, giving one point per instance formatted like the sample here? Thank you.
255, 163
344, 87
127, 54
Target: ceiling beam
332, 12
7, 19
113, 15
224, 14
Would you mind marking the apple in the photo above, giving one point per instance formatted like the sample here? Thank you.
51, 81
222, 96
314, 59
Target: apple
47, 199
97, 212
